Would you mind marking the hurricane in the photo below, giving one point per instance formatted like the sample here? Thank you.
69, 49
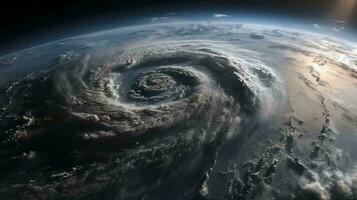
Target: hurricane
172, 111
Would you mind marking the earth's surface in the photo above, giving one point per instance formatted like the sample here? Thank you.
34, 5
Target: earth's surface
181, 111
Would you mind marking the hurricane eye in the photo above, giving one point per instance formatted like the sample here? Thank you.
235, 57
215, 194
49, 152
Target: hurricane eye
157, 86
153, 84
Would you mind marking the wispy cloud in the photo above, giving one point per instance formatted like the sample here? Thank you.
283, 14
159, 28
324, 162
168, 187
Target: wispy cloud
160, 19
218, 15
316, 26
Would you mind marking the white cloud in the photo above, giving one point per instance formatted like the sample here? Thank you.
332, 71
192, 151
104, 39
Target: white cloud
159, 19
218, 15
317, 26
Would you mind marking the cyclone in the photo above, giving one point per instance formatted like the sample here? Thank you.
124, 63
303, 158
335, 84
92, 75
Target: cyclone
169, 112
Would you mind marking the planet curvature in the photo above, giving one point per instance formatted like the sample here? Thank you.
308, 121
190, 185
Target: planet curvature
181, 110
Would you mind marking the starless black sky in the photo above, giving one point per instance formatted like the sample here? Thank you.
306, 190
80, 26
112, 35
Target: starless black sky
19, 20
